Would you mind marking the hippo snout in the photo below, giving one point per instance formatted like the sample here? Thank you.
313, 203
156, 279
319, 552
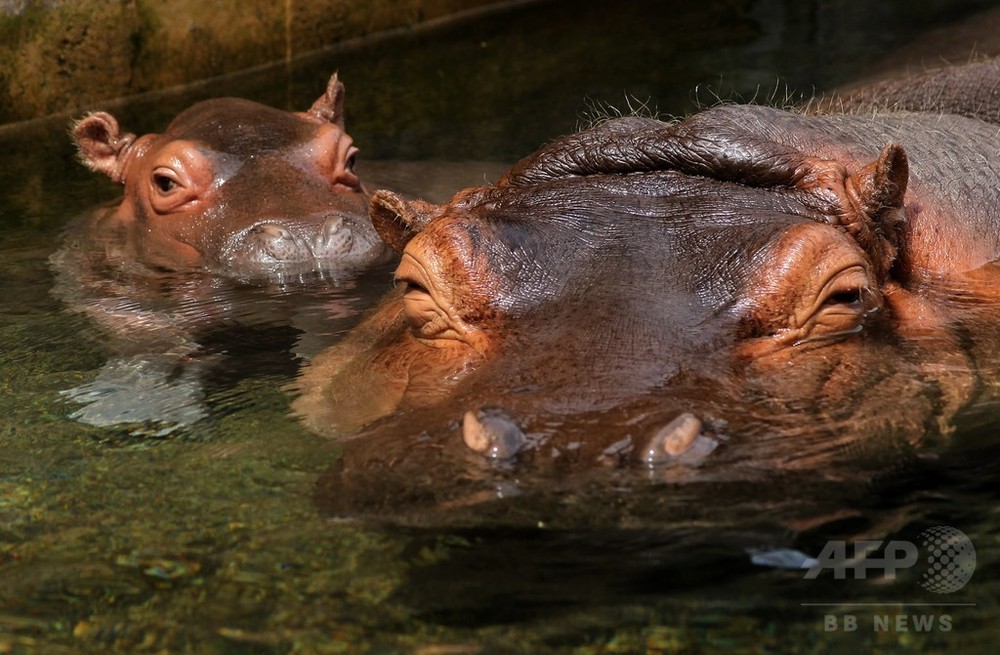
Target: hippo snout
327, 242
284, 243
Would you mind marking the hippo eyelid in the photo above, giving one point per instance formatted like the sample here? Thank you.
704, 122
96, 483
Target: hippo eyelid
173, 187
860, 299
164, 183
849, 288
429, 319
412, 277
165, 180
852, 296
410, 285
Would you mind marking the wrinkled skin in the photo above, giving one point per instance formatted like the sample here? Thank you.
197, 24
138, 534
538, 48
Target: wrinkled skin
813, 290
233, 187
970, 90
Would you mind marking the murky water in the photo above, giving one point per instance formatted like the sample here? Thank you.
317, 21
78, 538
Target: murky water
208, 540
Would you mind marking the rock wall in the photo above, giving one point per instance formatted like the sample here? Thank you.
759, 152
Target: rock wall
58, 56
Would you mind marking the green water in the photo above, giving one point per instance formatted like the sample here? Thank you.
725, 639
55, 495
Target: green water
208, 540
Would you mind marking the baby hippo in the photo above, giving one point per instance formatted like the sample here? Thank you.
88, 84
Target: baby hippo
233, 187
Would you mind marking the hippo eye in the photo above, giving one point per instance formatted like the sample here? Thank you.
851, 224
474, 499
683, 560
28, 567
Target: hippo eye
850, 297
164, 183
427, 318
843, 308
419, 307
182, 175
415, 287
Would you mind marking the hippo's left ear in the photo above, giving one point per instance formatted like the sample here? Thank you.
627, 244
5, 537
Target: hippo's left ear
329, 107
102, 144
397, 220
877, 192
878, 188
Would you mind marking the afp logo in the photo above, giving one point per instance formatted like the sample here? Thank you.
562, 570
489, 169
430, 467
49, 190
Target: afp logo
948, 563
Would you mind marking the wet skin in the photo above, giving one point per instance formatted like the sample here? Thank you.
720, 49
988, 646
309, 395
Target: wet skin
969, 90
239, 218
233, 187
804, 286
229, 222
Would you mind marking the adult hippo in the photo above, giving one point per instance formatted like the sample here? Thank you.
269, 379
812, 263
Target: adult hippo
234, 187
807, 291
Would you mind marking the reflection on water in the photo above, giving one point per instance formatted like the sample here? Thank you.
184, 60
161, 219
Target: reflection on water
209, 540
172, 336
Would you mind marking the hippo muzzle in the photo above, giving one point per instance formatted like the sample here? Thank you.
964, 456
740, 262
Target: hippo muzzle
279, 246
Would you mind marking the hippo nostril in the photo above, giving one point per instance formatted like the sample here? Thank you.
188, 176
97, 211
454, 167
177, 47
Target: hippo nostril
336, 238
682, 441
492, 434
333, 225
271, 231
272, 242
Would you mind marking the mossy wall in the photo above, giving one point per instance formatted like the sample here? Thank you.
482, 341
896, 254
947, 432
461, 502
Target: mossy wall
60, 56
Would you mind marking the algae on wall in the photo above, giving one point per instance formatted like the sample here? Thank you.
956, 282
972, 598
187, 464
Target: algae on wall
58, 56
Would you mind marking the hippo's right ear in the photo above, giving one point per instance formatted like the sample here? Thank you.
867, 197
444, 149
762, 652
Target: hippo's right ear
329, 107
102, 145
397, 220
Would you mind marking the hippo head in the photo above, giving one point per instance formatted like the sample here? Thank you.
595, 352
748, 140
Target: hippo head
634, 297
606, 265
236, 187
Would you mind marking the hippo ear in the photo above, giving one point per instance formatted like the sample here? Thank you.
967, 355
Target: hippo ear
397, 220
329, 107
102, 145
877, 192
878, 188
